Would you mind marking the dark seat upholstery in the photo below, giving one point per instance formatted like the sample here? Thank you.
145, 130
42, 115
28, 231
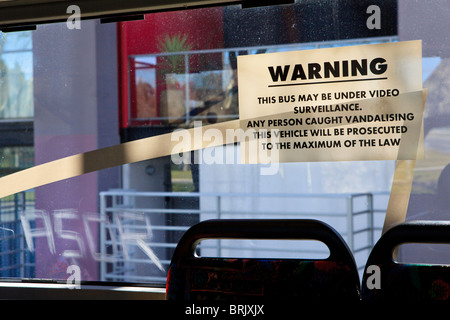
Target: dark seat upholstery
408, 281
196, 278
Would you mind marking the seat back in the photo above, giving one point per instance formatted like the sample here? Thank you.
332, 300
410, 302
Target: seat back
198, 278
407, 281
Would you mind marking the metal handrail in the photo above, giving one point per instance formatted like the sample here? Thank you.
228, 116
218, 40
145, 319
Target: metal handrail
111, 205
248, 50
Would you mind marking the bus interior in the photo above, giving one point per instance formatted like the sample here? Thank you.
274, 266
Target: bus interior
119, 179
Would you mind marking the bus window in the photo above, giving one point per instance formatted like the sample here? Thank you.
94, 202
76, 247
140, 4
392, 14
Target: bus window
90, 111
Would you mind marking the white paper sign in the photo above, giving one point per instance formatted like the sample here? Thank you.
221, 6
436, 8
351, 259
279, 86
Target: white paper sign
348, 103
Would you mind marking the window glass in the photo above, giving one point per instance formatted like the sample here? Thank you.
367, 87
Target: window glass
429, 189
16, 75
15, 159
85, 197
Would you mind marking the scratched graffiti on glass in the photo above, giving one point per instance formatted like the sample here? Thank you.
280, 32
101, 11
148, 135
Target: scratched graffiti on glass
124, 229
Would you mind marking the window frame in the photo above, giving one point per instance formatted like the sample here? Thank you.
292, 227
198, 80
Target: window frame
44, 290
55, 12
24, 14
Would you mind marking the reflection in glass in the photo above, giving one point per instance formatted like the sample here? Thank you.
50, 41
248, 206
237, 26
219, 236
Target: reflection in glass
16, 75
123, 223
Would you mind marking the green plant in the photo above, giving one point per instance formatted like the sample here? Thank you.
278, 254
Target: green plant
175, 43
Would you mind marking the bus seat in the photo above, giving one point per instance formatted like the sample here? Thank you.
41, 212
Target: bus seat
203, 278
407, 281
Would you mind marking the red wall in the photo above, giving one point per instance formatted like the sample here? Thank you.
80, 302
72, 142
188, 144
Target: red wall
204, 28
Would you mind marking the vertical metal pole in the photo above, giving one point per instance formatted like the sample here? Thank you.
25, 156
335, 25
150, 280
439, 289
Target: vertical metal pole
370, 220
218, 207
219, 213
350, 222
102, 236
16, 256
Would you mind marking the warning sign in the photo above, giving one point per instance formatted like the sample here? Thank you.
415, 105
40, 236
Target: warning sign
349, 103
